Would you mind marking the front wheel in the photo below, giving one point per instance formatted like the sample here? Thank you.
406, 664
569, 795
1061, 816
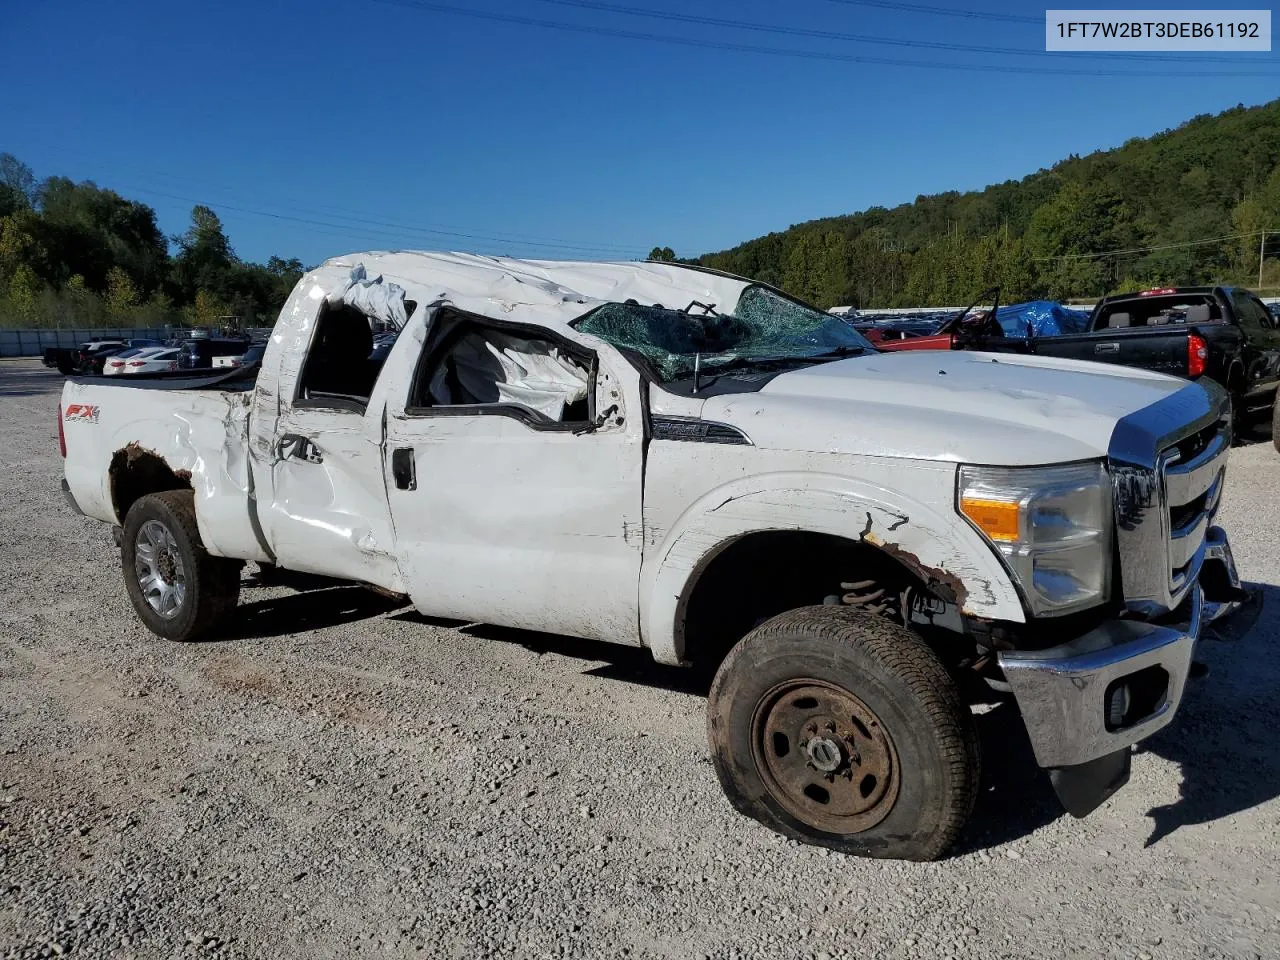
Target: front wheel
843, 729
180, 591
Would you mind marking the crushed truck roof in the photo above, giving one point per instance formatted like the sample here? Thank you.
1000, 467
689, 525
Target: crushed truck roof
547, 292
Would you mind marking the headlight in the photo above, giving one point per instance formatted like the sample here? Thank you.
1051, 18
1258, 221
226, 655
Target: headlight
1052, 525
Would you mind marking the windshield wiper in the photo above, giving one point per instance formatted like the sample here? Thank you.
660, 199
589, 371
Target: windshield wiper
848, 350
708, 309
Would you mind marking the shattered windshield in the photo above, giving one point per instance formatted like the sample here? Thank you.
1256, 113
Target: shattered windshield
765, 328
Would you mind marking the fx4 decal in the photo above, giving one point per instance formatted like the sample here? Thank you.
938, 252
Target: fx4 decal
82, 411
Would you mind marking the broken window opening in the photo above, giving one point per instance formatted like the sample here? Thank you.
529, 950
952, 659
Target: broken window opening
345, 358
475, 367
1158, 311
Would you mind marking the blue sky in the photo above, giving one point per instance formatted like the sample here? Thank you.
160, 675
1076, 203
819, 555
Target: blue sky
315, 127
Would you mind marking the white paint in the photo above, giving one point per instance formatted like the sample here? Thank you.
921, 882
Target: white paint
513, 525
701, 497
200, 432
330, 517
957, 406
587, 534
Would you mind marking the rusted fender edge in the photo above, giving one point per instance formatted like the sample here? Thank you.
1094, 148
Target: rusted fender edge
934, 545
943, 582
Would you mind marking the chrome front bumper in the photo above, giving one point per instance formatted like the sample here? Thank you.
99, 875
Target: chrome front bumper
1121, 682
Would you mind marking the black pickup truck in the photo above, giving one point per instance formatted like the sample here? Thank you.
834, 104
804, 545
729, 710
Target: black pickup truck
1224, 333
86, 358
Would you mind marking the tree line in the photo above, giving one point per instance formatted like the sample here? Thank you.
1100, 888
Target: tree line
1051, 234
76, 254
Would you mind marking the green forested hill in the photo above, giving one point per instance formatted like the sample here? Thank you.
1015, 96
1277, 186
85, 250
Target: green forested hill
76, 254
1212, 177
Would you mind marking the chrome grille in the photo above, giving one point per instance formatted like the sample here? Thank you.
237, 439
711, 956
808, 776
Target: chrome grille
1193, 473
1167, 464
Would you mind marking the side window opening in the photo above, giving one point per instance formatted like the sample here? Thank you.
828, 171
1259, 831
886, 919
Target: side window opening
533, 377
1250, 312
1265, 316
345, 358
1159, 311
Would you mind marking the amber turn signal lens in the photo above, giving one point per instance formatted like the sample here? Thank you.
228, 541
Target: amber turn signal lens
998, 519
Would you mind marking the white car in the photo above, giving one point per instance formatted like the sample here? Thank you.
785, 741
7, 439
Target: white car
663, 456
253, 354
142, 360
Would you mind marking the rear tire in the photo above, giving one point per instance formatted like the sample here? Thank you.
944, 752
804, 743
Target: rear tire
843, 729
180, 591
1275, 421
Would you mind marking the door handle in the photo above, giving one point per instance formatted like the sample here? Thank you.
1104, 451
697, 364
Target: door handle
1106, 348
296, 445
404, 469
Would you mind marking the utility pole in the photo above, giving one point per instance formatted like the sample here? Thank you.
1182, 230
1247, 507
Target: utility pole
1262, 252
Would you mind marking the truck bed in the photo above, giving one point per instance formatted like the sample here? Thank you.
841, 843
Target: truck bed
193, 430
1162, 349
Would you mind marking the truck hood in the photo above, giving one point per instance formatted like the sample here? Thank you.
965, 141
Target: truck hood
967, 407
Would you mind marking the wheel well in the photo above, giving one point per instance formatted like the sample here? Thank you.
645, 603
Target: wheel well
762, 574
135, 472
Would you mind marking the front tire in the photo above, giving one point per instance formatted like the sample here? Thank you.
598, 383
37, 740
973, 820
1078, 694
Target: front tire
843, 729
180, 591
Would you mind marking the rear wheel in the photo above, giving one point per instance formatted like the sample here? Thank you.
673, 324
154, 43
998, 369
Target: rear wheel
180, 591
1275, 421
843, 729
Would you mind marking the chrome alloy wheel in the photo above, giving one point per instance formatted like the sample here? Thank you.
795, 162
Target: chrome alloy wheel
157, 563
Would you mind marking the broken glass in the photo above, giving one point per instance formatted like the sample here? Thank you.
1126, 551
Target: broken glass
764, 327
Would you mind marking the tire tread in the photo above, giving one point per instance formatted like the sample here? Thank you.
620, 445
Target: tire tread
907, 657
1275, 421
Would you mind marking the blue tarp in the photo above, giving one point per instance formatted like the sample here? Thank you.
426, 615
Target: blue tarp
1046, 317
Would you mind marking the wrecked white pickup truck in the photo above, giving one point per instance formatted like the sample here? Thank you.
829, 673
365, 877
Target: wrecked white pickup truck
658, 455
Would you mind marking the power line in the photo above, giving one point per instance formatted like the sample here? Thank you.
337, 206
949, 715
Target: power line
1164, 246
874, 40
798, 54
376, 228
942, 11
362, 219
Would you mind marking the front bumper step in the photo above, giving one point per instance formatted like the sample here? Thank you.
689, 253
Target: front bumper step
1086, 702
1223, 594
1066, 693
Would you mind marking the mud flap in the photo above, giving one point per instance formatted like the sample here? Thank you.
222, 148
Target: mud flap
70, 497
1083, 787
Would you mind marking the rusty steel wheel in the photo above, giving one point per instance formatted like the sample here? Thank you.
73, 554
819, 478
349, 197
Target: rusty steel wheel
839, 727
825, 756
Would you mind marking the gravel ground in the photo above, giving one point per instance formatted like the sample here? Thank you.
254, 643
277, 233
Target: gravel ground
341, 777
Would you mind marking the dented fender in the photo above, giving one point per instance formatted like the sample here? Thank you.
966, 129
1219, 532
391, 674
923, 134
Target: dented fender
937, 546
